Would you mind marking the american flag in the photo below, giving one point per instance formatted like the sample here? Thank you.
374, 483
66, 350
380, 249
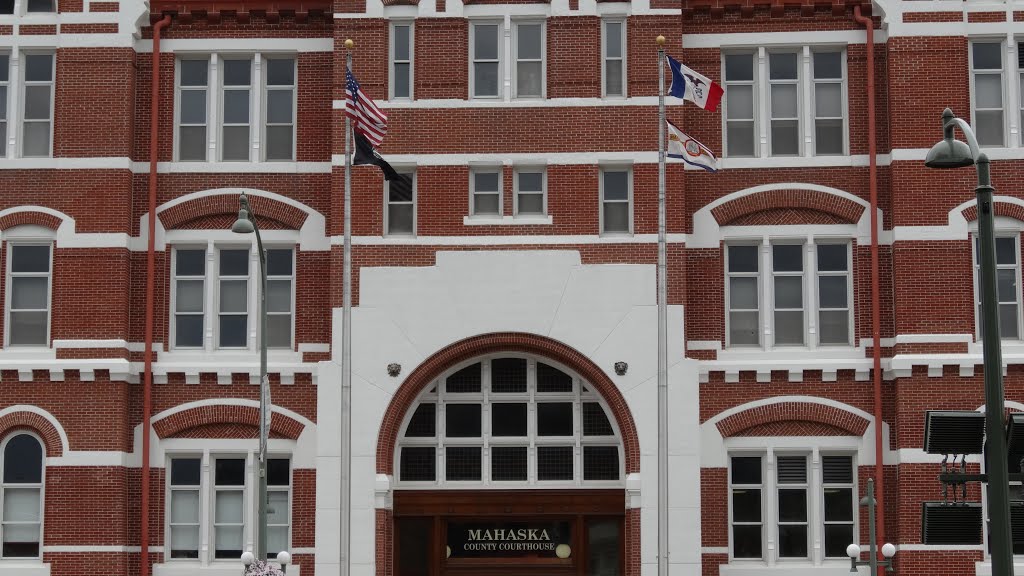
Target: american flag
369, 120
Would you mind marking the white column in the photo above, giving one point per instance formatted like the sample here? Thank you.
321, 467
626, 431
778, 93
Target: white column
761, 90
213, 104
256, 114
205, 510
805, 109
14, 87
814, 519
1013, 96
810, 294
770, 526
505, 59
210, 283
766, 292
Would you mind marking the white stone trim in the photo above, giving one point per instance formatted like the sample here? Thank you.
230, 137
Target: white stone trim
714, 549
89, 458
314, 347
262, 167
554, 240
97, 549
262, 45
755, 39
507, 220
703, 345
933, 338
112, 343
24, 567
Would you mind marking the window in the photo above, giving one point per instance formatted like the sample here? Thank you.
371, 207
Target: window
801, 507
400, 209
809, 287
531, 197
233, 122
614, 57
529, 60
401, 60
28, 300
485, 192
40, 6
486, 60
509, 420
279, 134
22, 496
766, 94
6, 6
227, 308
1008, 291
5, 82
616, 201
37, 116
987, 97
213, 501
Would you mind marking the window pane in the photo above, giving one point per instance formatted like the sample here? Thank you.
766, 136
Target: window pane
234, 295
279, 331
529, 45
485, 79
837, 538
828, 100
837, 469
792, 541
234, 331
613, 78
38, 67
789, 327
746, 505
613, 39
531, 181
551, 379
746, 541
1006, 282
463, 463
6, 6
185, 472
37, 102
1008, 321
3, 95
184, 541
828, 137
21, 505
423, 422
616, 185
194, 72
401, 86
279, 295
486, 181
616, 217
193, 107
236, 143
554, 463
37, 139
989, 127
465, 380
508, 463
743, 258
740, 102
462, 421
30, 259
31, 293
743, 293
29, 328
828, 65
485, 42
189, 296
1006, 251
600, 463
279, 143
185, 507
485, 204
595, 421
236, 107
793, 505
229, 542
280, 71
277, 540
277, 504
229, 472
988, 91
787, 258
279, 262
229, 507
234, 262
746, 469
785, 137
839, 505
400, 218
603, 548
832, 291
784, 101
278, 471
417, 464
401, 42
531, 204
782, 66
789, 292
508, 375
987, 55
528, 79
834, 327
237, 72
279, 106
192, 143
23, 460
740, 137
743, 328
188, 331
554, 419
739, 68
508, 419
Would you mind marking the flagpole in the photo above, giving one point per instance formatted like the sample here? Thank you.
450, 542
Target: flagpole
662, 328
346, 349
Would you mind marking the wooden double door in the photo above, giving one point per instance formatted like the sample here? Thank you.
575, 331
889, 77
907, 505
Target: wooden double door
509, 533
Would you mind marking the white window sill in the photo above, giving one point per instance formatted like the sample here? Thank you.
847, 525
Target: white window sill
791, 353
28, 353
220, 568
831, 568
507, 220
24, 568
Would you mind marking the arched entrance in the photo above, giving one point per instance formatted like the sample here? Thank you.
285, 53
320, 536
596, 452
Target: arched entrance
511, 462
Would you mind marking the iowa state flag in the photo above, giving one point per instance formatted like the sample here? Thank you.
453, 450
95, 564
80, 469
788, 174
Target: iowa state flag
689, 150
696, 88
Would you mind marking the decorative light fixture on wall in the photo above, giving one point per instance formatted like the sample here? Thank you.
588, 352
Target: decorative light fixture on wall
394, 369
621, 367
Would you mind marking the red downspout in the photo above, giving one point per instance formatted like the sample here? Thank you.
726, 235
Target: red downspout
876, 322
147, 383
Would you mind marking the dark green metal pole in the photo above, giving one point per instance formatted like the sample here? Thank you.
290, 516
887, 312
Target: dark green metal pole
995, 442
869, 501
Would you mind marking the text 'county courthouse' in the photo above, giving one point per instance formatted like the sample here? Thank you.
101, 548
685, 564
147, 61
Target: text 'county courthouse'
504, 313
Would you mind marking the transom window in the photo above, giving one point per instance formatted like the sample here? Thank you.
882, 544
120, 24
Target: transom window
507, 420
1008, 292
21, 496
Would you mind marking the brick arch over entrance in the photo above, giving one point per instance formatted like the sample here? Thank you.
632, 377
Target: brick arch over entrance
761, 417
810, 201
187, 422
432, 367
32, 422
220, 211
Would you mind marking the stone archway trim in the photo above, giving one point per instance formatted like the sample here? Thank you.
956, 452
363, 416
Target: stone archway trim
841, 208
180, 422
737, 424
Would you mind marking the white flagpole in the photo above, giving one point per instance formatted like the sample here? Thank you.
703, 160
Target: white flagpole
662, 328
346, 351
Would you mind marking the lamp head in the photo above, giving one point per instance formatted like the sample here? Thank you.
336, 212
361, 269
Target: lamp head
949, 152
243, 225
888, 550
284, 558
853, 551
248, 558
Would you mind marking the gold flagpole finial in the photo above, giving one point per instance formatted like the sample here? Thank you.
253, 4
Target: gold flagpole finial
660, 40
349, 43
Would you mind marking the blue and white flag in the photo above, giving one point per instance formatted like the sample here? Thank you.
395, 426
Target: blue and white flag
692, 86
689, 150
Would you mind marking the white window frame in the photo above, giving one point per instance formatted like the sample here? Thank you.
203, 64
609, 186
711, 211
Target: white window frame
759, 275
1002, 72
263, 114
810, 296
806, 486
178, 89
208, 262
9, 274
5, 103
768, 449
207, 454
976, 268
813, 83
604, 57
818, 273
805, 97
291, 278
246, 489
473, 25
222, 90
409, 171
516, 24
487, 169
543, 190
628, 168
25, 11
801, 106
41, 486
802, 275
437, 394
169, 503
214, 276
53, 96
392, 60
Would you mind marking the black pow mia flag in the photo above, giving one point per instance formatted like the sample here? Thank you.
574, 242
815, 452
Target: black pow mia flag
401, 185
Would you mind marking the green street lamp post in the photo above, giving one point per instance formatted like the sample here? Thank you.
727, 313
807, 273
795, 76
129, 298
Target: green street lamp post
888, 550
952, 153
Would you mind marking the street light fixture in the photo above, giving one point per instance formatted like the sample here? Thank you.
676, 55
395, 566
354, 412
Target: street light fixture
952, 153
888, 550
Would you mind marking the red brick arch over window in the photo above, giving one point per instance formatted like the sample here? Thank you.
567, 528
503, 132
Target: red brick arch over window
220, 211
807, 412
791, 203
432, 367
32, 422
1015, 211
180, 423
30, 217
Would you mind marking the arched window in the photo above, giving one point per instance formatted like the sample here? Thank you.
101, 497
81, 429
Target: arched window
21, 496
508, 420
